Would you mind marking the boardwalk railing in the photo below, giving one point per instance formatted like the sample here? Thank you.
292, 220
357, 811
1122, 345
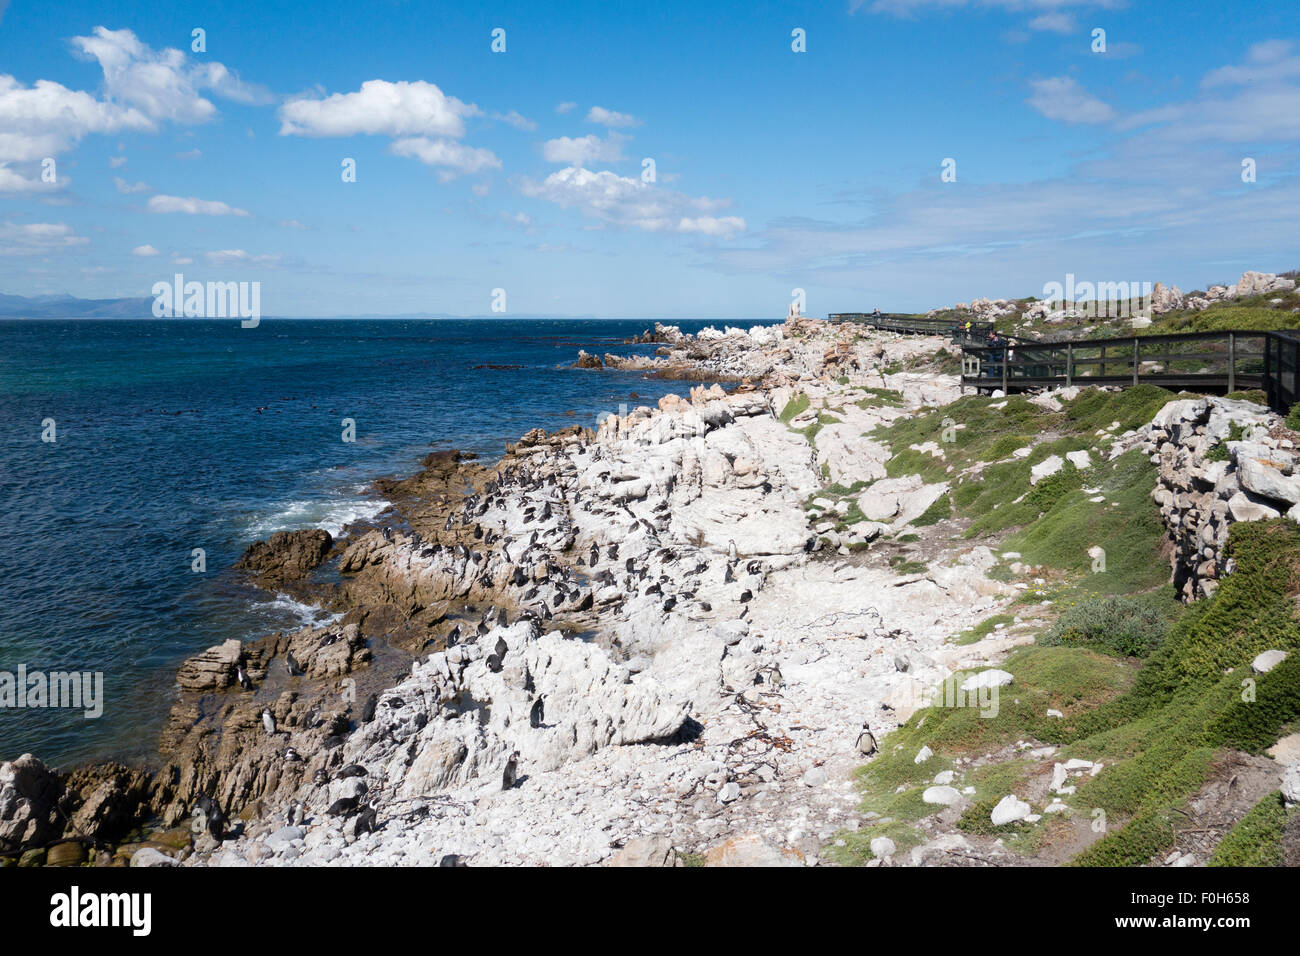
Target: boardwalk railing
1219, 362
912, 325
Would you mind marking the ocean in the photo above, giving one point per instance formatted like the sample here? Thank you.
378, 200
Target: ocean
176, 435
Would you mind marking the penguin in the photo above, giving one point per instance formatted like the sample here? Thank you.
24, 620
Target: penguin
295, 815
595, 556
291, 755
866, 741
494, 663
368, 708
453, 636
242, 677
612, 553
342, 806
670, 603
731, 552
509, 776
320, 777
367, 818
291, 662
537, 714
268, 721
452, 859
729, 577
352, 770
216, 821
502, 648
773, 677
746, 596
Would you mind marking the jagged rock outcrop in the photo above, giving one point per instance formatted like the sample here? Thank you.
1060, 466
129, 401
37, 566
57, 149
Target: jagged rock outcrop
1220, 461
286, 556
29, 811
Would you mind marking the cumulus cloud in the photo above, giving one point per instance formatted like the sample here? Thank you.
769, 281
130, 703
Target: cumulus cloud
162, 84
400, 109
145, 250
144, 89
566, 107
451, 157
624, 202
581, 150
1062, 98
192, 206
598, 114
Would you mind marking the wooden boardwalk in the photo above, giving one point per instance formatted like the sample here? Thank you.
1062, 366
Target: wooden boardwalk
1210, 362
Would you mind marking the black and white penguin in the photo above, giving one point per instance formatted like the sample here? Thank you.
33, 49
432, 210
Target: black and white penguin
367, 819
866, 741
296, 814
291, 662
241, 676
453, 636
368, 708
502, 648
494, 663
537, 714
509, 776
268, 720
452, 859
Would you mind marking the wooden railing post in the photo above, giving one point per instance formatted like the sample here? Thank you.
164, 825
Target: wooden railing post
1232, 362
1069, 364
1102, 364
1136, 353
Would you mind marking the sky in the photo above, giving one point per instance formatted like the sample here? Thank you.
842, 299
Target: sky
667, 160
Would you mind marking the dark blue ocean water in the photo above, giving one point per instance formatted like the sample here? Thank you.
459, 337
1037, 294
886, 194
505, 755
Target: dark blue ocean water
181, 434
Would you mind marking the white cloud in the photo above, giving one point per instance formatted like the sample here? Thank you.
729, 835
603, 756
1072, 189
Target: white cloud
582, 150
144, 87
453, 158
239, 257
516, 119
1062, 98
725, 226
127, 189
37, 238
910, 7
192, 206
1267, 63
381, 108
116, 162
145, 250
598, 114
294, 224
1054, 23
162, 84
621, 201
566, 107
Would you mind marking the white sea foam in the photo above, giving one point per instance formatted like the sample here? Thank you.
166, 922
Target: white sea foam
304, 614
332, 514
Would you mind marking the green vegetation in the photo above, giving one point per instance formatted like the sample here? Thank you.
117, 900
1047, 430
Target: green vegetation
939, 511
1122, 625
1196, 695
796, 406
983, 629
1256, 839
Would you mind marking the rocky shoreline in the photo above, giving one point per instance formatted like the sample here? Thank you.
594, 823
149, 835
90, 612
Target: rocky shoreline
657, 641
703, 656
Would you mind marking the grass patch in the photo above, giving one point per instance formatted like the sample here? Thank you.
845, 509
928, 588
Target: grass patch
1256, 839
796, 406
1129, 626
983, 629
1196, 695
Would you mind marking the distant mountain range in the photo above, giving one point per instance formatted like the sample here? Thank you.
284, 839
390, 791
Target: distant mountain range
70, 307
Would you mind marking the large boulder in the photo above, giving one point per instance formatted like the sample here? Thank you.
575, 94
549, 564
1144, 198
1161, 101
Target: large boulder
29, 794
287, 555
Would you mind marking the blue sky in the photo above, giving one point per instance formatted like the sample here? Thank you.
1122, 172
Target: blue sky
522, 170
